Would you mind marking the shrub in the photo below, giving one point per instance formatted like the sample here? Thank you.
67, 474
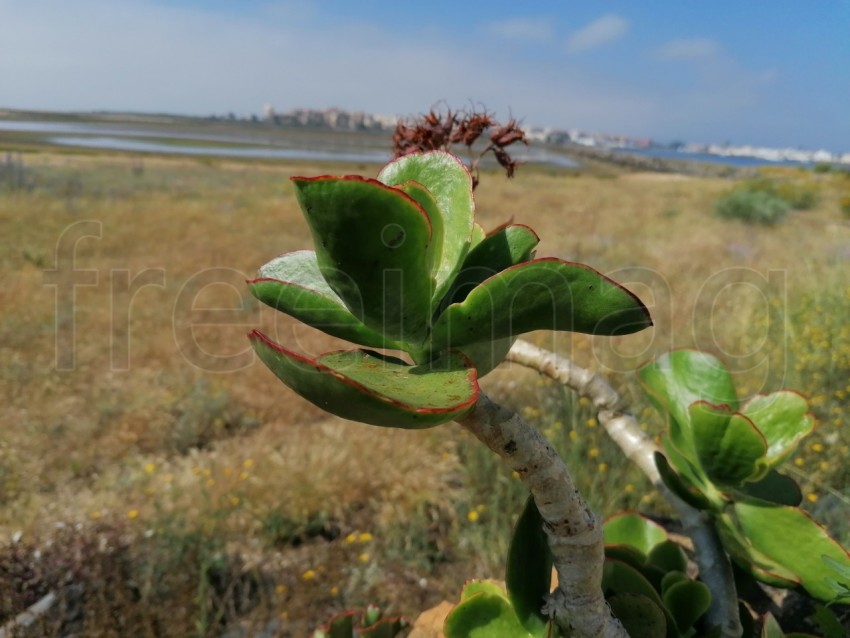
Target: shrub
754, 207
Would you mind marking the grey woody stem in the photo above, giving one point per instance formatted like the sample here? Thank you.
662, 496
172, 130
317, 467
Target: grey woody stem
714, 567
574, 532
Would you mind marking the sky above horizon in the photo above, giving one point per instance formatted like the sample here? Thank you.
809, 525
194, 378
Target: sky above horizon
763, 72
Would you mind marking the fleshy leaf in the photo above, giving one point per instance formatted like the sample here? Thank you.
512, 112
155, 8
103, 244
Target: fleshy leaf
620, 578
371, 246
293, 284
687, 601
540, 294
668, 557
789, 537
364, 386
484, 615
450, 184
486, 355
728, 445
783, 419
774, 488
748, 557
681, 483
770, 627
529, 569
506, 247
641, 616
679, 378
634, 530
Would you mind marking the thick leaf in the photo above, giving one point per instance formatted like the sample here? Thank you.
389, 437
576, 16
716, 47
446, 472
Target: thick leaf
450, 184
671, 578
540, 294
775, 488
687, 601
630, 528
728, 445
506, 247
626, 554
641, 617
478, 235
293, 284
484, 615
749, 558
486, 355
363, 386
790, 537
371, 244
679, 378
476, 586
423, 197
620, 578
676, 481
668, 557
783, 419
529, 569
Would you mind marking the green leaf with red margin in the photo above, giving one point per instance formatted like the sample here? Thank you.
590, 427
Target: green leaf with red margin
449, 183
680, 479
687, 601
544, 294
505, 247
364, 386
528, 575
293, 284
371, 245
634, 530
783, 419
789, 537
679, 378
749, 558
728, 445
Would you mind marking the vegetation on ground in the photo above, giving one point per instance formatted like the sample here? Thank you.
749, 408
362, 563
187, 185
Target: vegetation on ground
161, 443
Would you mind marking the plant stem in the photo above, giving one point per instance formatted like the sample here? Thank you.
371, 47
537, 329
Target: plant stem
574, 532
714, 567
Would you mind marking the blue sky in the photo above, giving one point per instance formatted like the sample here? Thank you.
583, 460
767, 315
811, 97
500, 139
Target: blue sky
766, 72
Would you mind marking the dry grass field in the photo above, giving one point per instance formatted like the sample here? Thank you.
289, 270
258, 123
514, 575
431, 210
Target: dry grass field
168, 485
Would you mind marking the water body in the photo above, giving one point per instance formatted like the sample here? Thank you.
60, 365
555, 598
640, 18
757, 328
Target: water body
730, 160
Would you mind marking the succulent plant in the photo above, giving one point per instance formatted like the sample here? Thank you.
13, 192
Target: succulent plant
721, 457
365, 623
400, 264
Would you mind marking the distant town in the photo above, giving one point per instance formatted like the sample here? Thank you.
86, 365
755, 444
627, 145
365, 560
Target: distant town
341, 119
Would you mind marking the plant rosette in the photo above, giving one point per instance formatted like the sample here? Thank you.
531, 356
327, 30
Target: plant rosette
400, 264
721, 456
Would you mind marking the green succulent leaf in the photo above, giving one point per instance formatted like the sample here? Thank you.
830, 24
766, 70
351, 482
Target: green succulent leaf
371, 246
529, 569
620, 578
641, 616
626, 554
783, 419
770, 627
367, 387
681, 483
759, 565
501, 249
634, 530
789, 538
794, 547
540, 294
679, 378
293, 284
486, 355
478, 235
668, 557
774, 488
728, 445
671, 578
449, 183
485, 614
687, 601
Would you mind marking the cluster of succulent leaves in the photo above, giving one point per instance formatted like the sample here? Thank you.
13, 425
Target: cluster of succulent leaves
400, 264
644, 581
721, 456
366, 623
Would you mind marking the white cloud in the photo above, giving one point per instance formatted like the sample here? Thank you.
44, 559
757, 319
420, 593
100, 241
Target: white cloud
521, 29
689, 49
609, 28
